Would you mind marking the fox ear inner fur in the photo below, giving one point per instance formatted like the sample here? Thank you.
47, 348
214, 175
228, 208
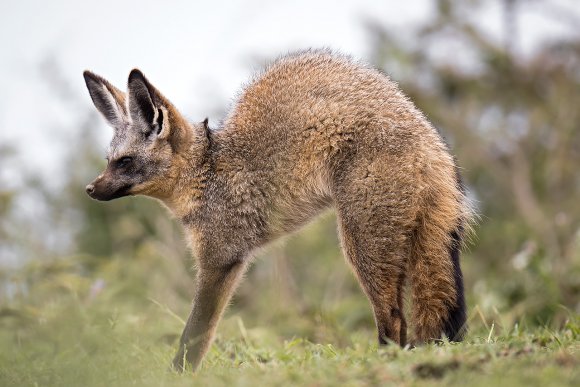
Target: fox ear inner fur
141, 105
108, 100
147, 106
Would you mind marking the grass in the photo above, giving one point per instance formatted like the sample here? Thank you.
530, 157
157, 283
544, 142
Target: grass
67, 340
92, 321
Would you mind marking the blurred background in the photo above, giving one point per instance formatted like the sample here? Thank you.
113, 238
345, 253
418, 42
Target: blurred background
499, 78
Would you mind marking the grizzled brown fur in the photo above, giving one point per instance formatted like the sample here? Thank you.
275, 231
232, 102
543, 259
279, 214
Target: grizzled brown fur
312, 131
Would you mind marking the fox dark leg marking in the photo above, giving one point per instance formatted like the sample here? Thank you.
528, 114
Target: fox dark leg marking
385, 331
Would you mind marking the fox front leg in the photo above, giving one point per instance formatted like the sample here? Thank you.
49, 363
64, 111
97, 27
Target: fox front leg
214, 288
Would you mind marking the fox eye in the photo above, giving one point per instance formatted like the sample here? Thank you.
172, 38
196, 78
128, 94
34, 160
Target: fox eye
123, 162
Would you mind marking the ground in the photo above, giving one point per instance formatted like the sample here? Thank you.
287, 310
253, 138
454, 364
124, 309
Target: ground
70, 341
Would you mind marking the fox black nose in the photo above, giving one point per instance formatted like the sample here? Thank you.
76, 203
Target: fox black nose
90, 189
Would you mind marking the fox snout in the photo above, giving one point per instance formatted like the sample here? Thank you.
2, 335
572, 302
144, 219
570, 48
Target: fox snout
104, 190
90, 189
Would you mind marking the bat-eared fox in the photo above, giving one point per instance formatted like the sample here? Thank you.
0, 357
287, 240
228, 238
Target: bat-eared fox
313, 130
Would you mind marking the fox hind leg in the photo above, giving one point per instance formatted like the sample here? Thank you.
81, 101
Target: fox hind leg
381, 274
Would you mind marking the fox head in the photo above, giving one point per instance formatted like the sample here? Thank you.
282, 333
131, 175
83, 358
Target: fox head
151, 140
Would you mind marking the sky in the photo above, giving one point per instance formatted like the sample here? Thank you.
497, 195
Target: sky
197, 53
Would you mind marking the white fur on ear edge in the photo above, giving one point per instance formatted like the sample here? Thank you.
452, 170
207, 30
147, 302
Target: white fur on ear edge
120, 118
165, 129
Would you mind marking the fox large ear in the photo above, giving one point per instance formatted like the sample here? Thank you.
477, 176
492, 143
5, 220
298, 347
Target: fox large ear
147, 106
109, 100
